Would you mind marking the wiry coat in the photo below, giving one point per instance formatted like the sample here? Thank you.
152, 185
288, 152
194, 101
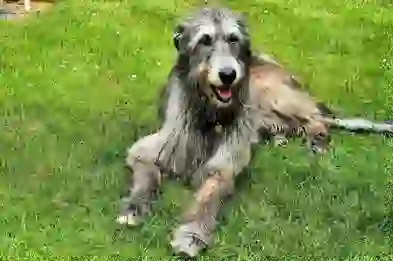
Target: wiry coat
218, 100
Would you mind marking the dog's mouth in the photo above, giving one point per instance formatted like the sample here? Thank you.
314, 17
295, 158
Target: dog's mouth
223, 93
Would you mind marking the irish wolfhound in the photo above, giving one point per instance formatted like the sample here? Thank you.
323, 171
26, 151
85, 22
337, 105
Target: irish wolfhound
219, 98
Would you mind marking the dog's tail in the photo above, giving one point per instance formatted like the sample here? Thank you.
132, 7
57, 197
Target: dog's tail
361, 125
355, 124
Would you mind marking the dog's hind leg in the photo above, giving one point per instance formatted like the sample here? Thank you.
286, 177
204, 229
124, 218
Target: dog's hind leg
317, 135
145, 180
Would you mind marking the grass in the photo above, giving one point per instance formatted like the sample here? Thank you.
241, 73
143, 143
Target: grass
79, 85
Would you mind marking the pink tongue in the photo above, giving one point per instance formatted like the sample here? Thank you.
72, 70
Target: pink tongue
225, 93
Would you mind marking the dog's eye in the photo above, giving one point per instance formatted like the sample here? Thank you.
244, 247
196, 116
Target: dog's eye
206, 40
233, 38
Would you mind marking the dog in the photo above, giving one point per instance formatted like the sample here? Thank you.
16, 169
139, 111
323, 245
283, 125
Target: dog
219, 100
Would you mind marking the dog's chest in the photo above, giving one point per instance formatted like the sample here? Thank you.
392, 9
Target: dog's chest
184, 153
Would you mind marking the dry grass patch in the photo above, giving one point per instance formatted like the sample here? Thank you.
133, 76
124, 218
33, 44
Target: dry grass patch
16, 10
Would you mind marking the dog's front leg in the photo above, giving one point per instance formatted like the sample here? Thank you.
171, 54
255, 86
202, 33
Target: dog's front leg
145, 160
199, 220
146, 179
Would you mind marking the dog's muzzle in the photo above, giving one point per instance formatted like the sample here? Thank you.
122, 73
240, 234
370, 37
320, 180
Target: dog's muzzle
223, 87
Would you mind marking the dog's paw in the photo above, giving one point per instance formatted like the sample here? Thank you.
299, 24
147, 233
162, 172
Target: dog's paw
318, 150
189, 241
130, 216
320, 144
129, 219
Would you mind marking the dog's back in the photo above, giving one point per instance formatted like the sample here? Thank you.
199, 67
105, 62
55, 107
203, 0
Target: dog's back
280, 91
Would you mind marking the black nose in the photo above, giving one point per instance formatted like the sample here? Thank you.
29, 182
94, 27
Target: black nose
227, 75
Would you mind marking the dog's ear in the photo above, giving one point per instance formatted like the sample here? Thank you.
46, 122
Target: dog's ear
242, 22
243, 26
177, 36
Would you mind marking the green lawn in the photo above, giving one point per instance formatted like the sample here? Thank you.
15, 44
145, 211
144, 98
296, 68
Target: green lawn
78, 86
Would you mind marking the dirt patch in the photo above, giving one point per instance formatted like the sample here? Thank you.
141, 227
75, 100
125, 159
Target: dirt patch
16, 10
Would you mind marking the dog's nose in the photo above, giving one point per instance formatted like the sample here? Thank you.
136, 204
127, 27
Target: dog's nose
227, 75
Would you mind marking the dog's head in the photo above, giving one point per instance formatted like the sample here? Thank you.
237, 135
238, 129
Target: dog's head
214, 51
